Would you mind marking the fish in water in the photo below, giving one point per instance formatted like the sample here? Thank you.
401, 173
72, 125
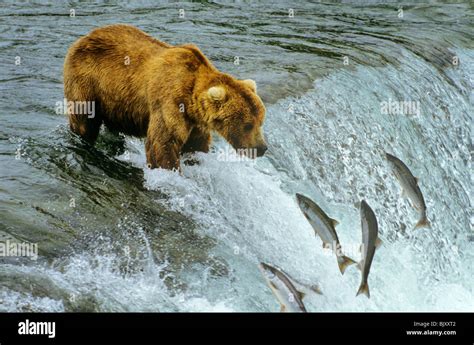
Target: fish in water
290, 299
303, 287
325, 227
410, 188
370, 241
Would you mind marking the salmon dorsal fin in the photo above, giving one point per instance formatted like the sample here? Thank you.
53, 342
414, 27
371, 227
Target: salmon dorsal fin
334, 222
316, 289
300, 294
378, 243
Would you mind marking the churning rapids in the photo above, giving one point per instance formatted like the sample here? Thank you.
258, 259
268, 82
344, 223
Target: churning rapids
113, 235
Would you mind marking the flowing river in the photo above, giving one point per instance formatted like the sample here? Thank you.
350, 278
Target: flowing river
113, 235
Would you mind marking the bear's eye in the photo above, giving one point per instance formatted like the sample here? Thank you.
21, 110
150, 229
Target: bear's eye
248, 127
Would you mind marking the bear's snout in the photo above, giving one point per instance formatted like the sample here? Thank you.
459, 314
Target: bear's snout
261, 150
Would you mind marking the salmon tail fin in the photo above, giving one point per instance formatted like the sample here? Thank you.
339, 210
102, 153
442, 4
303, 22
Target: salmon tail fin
343, 262
364, 289
423, 223
317, 289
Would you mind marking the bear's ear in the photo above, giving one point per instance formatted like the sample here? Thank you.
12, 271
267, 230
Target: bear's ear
251, 83
216, 93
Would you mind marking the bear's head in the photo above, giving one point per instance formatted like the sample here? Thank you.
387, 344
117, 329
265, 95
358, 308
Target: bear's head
235, 111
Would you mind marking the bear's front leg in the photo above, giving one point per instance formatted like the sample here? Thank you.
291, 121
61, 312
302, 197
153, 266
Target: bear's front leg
164, 141
199, 140
163, 152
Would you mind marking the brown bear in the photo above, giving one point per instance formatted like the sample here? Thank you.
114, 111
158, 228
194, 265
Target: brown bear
172, 95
